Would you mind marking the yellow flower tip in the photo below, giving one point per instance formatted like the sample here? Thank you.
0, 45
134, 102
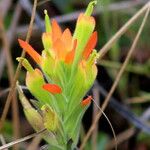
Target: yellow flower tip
25, 63
86, 101
34, 74
90, 45
33, 77
45, 11
52, 88
36, 57
38, 71
86, 19
47, 22
47, 40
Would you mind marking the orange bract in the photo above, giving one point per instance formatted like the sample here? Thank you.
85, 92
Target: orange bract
90, 45
56, 31
52, 88
67, 39
86, 101
30, 51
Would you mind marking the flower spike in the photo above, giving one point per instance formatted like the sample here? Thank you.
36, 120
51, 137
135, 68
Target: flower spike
37, 58
52, 88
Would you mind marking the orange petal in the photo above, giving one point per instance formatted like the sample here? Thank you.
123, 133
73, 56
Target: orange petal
90, 45
86, 101
56, 30
59, 49
70, 56
52, 88
30, 51
67, 39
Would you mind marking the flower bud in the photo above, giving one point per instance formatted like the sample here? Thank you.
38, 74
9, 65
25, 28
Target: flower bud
50, 118
33, 117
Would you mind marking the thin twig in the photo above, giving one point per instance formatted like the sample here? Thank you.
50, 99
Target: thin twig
118, 76
7, 104
21, 140
137, 68
10, 36
113, 131
129, 132
126, 112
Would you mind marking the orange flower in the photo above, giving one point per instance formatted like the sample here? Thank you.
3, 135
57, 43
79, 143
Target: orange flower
52, 88
86, 101
30, 51
90, 45
62, 44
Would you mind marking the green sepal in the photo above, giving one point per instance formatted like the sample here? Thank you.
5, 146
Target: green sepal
90, 7
76, 89
25, 63
48, 64
34, 82
73, 121
50, 118
47, 41
36, 104
91, 69
47, 22
33, 117
53, 69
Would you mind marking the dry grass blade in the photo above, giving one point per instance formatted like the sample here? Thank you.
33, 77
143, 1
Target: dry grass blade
10, 35
42, 2
108, 45
7, 104
3, 92
113, 131
121, 138
135, 100
21, 140
96, 97
15, 109
3, 141
35, 142
121, 71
